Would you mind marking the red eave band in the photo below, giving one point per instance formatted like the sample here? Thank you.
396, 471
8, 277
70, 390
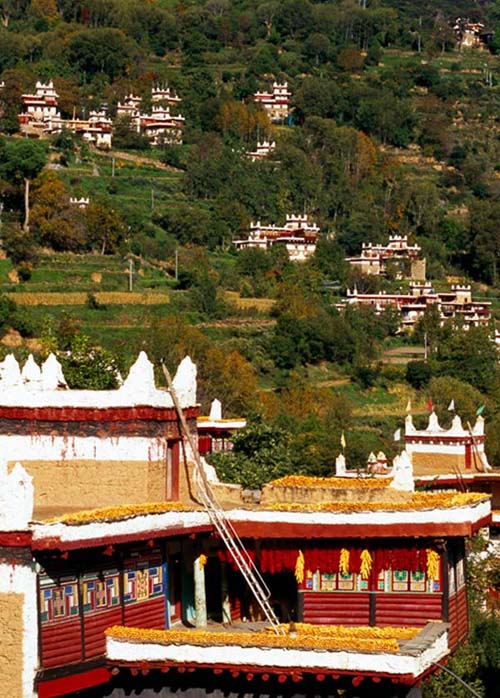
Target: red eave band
257, 529
406, 679
94, 414
15, 539
75, 682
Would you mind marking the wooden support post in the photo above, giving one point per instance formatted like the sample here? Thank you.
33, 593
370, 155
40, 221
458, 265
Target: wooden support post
200, 599
226, 606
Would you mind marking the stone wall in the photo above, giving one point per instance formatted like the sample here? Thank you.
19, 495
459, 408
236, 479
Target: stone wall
88, 484
322, 495
11, 645
438, 463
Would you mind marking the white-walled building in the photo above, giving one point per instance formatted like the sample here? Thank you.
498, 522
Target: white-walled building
161, 125
299, 236
41, 117
263, 150
455, 303
277, 102
374, 258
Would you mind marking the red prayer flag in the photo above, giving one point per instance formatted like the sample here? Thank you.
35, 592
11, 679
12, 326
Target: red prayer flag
430, 406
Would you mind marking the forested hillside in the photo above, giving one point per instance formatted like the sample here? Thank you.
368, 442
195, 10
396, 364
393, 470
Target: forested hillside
393, 129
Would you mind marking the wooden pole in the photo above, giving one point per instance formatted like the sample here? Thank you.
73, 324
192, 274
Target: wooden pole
200, 598
475, 451
226, 606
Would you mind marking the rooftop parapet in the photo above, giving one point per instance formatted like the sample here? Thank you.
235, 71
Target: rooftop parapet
46, 386
434, 429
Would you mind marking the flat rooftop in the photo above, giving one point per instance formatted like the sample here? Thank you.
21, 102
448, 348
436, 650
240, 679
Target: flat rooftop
402, 653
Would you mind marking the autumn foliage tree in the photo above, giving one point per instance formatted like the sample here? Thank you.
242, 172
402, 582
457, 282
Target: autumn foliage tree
56, 222
242, 120
105, 227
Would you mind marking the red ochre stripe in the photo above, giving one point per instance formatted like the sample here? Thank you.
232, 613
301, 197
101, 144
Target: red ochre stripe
75, 682
91, 414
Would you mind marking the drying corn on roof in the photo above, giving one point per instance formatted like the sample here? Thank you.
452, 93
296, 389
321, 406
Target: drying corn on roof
419, 500
304, 636
119, 512
343, 482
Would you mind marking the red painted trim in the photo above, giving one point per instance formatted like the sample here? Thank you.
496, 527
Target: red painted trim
74, 682
58, 544
436, 438
95, 414
15, 539
277, 529
406, 679
258, 529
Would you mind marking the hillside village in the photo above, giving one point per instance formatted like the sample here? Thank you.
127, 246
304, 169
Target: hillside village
293, 207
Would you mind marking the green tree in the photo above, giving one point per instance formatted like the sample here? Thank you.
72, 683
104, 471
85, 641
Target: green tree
418, 374
472, 355
88, 367
444, 389
103, 50
261, 453
22, 161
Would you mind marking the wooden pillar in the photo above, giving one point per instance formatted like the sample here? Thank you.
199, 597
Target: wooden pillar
226, 606
445, 581
200, 600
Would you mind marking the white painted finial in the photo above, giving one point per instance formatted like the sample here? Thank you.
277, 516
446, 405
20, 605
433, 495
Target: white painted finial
31, 371
340, 465
409, 426
16, 498
141, 378
216, 410
185, 382
433, 422
52, 374
402, 473
10, 373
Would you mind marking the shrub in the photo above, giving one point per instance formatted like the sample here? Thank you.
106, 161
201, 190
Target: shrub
418, 374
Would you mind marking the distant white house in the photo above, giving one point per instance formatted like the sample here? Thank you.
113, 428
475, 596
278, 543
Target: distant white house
455, 303
277, 102
374, 258
263, 150
41, 116
161, 124
298, 236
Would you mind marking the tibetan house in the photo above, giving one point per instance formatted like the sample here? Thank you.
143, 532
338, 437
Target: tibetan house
215, 434
120, 575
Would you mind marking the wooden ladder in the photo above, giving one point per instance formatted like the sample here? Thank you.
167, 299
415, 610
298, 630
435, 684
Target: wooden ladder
223, 525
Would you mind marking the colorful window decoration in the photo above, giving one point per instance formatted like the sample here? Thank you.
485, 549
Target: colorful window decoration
336, 582
400, 580
328, 582
363, 584
417, 581
101, 591
58, 601
347, 582
143, 583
